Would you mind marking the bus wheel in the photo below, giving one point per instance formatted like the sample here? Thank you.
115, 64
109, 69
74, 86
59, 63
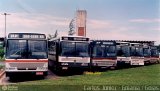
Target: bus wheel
58, 70
12, 78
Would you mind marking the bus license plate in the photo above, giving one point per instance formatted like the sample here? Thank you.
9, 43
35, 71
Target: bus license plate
39, 73
64, 68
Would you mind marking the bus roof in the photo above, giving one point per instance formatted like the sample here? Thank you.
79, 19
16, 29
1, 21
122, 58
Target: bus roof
70, 38
104, 40
121, 42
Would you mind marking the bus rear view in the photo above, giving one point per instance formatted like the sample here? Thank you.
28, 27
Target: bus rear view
26, 53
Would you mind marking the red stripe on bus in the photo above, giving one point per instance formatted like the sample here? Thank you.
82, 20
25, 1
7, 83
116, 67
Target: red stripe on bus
154, 57
26, 60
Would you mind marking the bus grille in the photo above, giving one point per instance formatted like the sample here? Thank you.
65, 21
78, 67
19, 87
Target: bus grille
105, 63
26, 65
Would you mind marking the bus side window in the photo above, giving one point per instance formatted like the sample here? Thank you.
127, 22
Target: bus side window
119, 51
52, 47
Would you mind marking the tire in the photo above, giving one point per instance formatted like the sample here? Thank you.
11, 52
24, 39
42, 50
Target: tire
12, 78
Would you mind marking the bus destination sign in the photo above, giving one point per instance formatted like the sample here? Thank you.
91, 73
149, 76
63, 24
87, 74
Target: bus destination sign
26, 35
75, 38
105, 42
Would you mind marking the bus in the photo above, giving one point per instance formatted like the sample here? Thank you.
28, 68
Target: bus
123, 53
136, 53
103, 54
154, 55
26, 53
68, 53
146, 53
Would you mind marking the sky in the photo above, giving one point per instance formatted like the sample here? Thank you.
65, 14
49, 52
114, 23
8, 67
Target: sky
106, 19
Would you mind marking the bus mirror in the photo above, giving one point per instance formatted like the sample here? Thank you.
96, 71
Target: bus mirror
3, 44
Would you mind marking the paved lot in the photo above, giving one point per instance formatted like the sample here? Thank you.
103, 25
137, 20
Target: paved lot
5, 80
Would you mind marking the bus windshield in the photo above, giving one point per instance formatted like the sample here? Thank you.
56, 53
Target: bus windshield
104, 51
137, 51
147, 52
75, 49
123, 51
26, 49
154, 53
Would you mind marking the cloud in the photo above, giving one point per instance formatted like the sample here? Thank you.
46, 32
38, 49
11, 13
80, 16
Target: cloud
120, 31
25, 6
113, 35
96, 29
99, 24
39, 23
145, 20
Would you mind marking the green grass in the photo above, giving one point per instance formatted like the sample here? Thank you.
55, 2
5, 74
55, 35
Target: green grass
1, 54
145, 75
1, 66
2, 59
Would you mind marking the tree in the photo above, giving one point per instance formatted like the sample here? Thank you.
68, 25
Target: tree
71, 28
1, 52
53, 36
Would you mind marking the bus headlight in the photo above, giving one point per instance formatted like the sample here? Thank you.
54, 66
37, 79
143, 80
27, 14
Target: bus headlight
45, 65
7, 65
42, 68
84, 64
10, 68
64, 63
94, 64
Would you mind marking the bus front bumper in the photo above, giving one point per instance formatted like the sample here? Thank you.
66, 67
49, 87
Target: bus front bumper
104, 64
37, 73
137, 62
67, 65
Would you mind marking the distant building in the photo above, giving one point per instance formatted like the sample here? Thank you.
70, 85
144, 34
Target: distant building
81, 22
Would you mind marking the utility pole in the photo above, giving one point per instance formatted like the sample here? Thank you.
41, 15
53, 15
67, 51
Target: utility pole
5, 14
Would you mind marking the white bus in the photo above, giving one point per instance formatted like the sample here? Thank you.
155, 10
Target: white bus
103, 54
123, 53
68, 52
154, 55
147, 53
26, 53
136, 53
